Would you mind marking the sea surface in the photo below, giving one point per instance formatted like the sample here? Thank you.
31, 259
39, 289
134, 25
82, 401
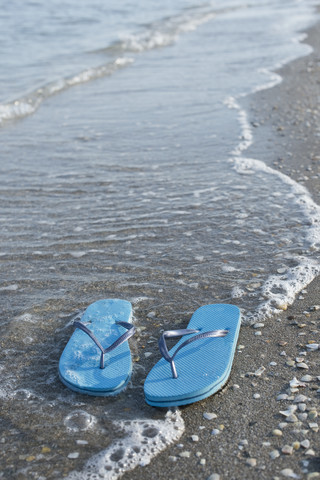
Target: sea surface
124, 174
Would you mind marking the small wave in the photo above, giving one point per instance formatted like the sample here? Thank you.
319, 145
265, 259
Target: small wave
29, 104
158, 34
162, 33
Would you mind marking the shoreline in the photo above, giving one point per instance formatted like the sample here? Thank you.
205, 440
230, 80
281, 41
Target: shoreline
255, 439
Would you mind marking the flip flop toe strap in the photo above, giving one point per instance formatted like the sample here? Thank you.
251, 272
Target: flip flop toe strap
123, 338
179, 333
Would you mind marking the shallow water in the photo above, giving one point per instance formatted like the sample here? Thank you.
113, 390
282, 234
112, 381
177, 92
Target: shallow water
128, 178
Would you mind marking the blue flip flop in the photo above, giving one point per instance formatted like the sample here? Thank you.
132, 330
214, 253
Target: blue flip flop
200, 365
97, 358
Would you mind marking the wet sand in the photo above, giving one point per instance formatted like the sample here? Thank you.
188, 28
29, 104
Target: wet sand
287, 137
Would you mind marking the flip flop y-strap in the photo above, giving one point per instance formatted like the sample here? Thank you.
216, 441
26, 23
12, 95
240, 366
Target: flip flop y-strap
179, 333
119, 341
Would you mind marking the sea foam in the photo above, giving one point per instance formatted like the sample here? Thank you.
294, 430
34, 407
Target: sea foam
143, 439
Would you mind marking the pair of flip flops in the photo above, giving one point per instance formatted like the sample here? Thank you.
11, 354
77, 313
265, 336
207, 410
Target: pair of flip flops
97, 358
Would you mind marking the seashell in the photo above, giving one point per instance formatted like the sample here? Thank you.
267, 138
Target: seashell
289, 411
302, 365
295, 383
300, 398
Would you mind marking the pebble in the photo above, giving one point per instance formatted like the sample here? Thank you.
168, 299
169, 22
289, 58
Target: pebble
45, 450
274, 454
215, 431
258, 325
195, 438
209, 416
252, 462
281, 270
310, 452
292, 418
185, 454
282, 396
290, 363
287, 450
73, 455
302, 416
288, 472
258, 333
282, 425
256, 395
314, 426
313, 475
313, 414
244, 442
307, 378
214, 476
300, 398
203, 461
172, 458
273, 364
291, 409
313, 346
305, 443
302, 407
314, 308
147, 354
260, 371
277, 432
283, 353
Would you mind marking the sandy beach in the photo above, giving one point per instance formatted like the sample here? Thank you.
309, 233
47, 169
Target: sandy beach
255, 440
120, 180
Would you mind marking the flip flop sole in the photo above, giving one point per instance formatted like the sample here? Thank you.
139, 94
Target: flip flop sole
203, 366
79, 365
96, 393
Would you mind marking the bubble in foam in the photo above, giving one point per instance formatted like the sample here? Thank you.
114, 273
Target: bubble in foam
79, 421
144, 440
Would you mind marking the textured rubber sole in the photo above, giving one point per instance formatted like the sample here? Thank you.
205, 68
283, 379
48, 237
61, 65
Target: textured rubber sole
188, 401
96, 393
79, 364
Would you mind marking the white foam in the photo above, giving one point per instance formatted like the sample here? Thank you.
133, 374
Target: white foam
9, 288
281, 290
278, 291
143, 440
28, 105
165, 32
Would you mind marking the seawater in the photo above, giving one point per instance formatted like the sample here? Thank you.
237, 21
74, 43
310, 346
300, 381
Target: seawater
124, 175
